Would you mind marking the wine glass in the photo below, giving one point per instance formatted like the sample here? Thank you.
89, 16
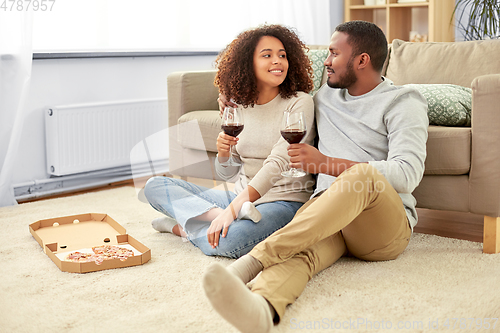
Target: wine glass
293, 130
232, 124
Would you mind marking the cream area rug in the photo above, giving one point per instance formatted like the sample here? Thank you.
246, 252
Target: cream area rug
438, 284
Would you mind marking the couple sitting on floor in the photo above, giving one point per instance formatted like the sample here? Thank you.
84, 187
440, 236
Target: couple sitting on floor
369, 158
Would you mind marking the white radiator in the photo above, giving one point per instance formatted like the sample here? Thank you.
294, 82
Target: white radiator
90, 137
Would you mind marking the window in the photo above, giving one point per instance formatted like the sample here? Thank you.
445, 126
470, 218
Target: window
162, 25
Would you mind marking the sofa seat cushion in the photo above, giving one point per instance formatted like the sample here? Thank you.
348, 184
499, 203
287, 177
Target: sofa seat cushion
448, 148
209, 122
448, 151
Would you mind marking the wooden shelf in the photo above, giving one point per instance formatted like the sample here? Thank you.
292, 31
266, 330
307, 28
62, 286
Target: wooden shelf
410, 4
368, 7
432, 18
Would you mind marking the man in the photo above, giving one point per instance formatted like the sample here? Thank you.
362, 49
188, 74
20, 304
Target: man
370, 158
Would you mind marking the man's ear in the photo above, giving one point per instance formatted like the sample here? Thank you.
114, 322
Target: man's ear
363, 60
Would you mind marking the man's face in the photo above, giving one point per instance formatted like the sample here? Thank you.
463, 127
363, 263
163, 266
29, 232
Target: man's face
340, 62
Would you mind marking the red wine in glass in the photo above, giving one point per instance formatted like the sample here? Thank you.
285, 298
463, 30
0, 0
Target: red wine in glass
232, 129
293, 130
232, 124
293, 135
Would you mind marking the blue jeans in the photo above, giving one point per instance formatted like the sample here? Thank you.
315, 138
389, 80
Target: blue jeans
184, 201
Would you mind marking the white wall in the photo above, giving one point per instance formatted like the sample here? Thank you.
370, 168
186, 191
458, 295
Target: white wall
87, 80
336, 15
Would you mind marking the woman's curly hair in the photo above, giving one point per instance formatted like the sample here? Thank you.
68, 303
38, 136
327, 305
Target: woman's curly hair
235, 76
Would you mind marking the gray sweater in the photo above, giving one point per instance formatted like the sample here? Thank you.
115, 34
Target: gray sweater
386, 127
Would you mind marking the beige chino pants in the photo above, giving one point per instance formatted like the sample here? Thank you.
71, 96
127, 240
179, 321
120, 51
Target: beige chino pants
360, 214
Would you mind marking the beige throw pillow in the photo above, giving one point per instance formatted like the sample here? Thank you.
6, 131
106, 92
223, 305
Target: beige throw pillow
445, 62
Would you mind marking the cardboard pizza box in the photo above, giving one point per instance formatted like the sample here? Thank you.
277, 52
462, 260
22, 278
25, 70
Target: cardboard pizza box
63, 235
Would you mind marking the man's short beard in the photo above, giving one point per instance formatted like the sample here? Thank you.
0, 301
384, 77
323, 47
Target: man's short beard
347, 80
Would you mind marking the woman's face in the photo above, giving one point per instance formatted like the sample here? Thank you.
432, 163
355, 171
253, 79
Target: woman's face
270, 63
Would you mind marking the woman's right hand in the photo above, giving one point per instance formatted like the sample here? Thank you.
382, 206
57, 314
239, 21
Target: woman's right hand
224, 142
223, 102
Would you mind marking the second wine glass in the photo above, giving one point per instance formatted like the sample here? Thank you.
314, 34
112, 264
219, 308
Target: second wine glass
293, 130
232, 124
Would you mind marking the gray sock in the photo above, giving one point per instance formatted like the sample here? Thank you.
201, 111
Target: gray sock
245, 310
246, 268
164, 224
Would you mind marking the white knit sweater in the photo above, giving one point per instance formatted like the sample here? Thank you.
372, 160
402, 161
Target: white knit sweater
264, 152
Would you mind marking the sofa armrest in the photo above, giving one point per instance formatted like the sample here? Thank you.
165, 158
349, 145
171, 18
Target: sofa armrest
190, 91
484, 191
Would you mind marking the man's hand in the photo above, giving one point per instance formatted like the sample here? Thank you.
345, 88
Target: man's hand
223, 102
307, 158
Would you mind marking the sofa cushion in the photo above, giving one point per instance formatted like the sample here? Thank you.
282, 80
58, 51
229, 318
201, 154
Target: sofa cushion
448, 151
448, 104
427, 63
209, 122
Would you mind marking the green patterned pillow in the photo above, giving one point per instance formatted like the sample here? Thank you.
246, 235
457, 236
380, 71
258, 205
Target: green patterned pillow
449, 105
317, 57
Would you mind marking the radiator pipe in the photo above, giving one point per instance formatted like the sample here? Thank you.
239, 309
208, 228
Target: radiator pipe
121, 174
63, 190
72, 177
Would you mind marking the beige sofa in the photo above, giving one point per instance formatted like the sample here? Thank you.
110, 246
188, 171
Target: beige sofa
463, 163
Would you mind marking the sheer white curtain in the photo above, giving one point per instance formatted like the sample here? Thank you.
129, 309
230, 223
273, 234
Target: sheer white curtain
220, 21
114, 25
15, 72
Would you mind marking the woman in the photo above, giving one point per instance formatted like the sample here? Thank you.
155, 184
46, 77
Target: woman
265, 71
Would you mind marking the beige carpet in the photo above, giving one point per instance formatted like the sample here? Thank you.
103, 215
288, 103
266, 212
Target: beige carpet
435, 279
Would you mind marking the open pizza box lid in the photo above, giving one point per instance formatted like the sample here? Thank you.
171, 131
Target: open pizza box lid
60, 236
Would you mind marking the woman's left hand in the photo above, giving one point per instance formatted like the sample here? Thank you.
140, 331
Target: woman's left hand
221, 222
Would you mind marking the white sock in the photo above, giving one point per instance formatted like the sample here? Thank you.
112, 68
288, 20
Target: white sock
246, 268
249, 212
164, 224
247, 311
